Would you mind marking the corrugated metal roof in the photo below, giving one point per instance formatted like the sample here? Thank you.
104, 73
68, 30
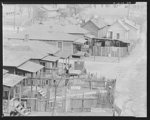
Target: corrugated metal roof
51, 58
5, 71
11, 79
30, 66
45, 36
90, 36
31, 46
80, 41
69, 29
39, 27
63, 54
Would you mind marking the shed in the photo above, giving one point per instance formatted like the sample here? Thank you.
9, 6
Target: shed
12, 87
11, 80
96, 27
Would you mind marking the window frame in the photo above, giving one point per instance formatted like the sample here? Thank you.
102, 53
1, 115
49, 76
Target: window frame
61, 45
117, 36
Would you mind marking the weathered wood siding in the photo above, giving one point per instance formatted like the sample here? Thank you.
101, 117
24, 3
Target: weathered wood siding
117, 28
133, 33
91, 27
112, 51
54, 43
102, 32
68, 47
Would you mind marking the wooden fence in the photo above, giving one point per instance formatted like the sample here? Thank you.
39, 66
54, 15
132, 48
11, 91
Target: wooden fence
100, 100
36, 104
110, 51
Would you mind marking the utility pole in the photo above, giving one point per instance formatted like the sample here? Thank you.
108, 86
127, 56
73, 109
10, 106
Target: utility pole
14, 16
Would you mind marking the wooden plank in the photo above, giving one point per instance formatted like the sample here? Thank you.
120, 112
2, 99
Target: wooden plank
20, 91
8, 100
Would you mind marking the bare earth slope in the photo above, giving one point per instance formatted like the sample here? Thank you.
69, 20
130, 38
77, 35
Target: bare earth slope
131, 79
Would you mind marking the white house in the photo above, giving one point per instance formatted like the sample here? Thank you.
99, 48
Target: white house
123, 30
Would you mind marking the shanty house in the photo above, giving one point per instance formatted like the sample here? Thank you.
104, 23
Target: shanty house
118, 30
19, 64
37, 57
123, 30
97, 27
60, 40
12, 88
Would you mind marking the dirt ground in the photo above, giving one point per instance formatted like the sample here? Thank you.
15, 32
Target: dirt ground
130, 73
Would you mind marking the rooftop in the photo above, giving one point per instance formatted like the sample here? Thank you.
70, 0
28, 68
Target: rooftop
131, 23
69, 29
44, 36
122, 24
63, 54
29, 45
30, 66
100, 23
11, 58
11, 79
51, 58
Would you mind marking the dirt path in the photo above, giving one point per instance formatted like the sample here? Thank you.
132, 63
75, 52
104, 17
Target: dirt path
131, 78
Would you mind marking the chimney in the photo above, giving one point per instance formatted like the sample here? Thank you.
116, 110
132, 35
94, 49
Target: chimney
26, 37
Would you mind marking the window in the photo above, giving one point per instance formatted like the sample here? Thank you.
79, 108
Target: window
43, 63
47, 82
60, 45
111, 34
118, 36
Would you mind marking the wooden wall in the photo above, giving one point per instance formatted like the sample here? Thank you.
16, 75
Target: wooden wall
113, 51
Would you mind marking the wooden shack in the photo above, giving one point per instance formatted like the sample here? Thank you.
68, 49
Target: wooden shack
12, 88
109, 48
